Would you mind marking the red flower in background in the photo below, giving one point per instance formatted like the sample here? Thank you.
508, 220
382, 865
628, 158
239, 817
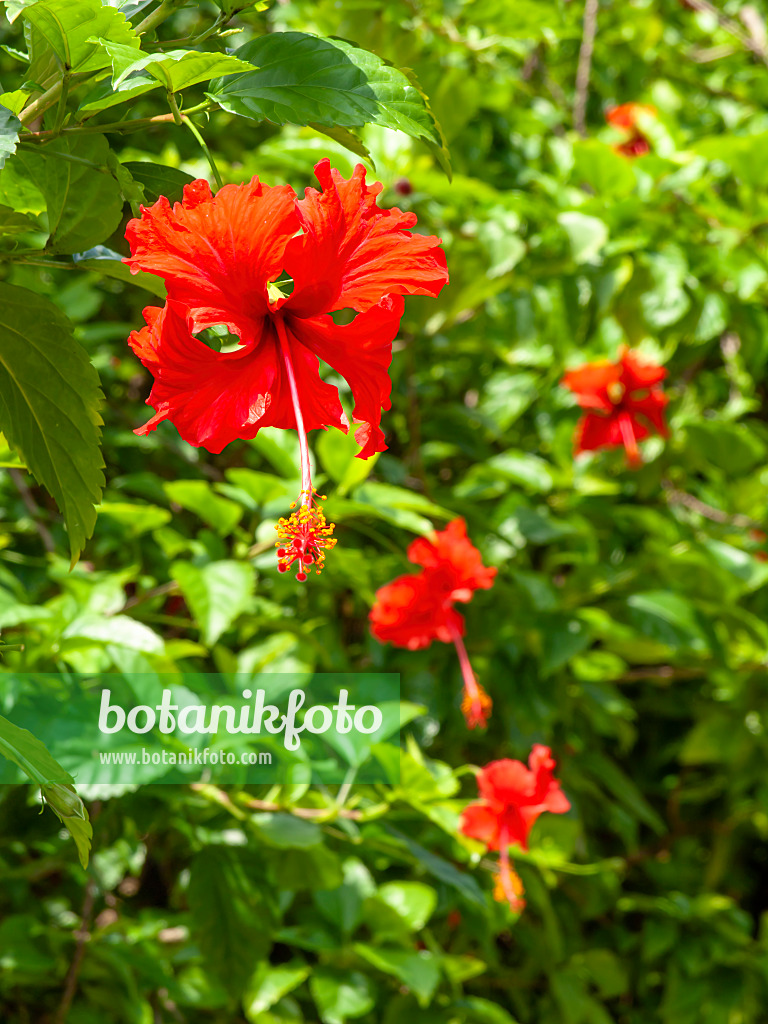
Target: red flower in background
624, 403
512, 798
625, 118
271, 268
414, 610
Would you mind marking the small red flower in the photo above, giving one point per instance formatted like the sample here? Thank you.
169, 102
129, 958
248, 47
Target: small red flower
271, 268
624, 403
414, 610
625, 118
512, 798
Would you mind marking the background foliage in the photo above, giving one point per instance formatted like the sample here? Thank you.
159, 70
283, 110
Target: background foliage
627, 627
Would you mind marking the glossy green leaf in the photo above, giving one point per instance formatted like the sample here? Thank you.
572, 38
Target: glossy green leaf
303, 79
49, 395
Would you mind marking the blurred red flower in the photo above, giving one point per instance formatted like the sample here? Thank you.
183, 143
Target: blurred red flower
624, 403
512, 798
413, 610
271, 268
625, 118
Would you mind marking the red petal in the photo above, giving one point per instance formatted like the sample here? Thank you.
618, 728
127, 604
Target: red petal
211, 398
217, 253
478, 821
361, 352
352, 253
460, 563
636, 374
409, 612
589, 383
506, 782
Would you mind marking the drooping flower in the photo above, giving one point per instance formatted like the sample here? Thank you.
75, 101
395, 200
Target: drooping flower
624, 403
512, 797
415, 609
626, 119
271, 269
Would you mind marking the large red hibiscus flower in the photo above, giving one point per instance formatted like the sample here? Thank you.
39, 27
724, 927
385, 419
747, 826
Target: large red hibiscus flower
624, 403
511, 799
415, 609
271, 269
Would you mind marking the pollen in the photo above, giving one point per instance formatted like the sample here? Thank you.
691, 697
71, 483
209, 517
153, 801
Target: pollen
476, 707
508, 888
616, 391
304, 537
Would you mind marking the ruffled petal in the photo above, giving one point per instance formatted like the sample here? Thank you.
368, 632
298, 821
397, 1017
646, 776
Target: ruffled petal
651, 408
637, 375
410, 613
211, 398
590, 382
478, 821
217, 253
506, 782
452, 552
352, 253
361, 352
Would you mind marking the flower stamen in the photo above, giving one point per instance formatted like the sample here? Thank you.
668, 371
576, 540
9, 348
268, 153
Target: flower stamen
304, 536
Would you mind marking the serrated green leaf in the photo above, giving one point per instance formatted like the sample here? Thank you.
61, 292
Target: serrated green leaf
29, 754
82, 198
49, 393
305, 79
72, 28
10, 126
173, 69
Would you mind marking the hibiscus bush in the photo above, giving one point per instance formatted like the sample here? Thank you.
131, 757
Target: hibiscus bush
513, 257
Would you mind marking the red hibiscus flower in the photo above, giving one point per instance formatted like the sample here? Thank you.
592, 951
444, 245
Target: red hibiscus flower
271, 268
624, 403
512, 798
625, 118
414, 610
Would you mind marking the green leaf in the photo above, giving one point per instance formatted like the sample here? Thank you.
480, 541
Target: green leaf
414, 902
340, 995
228, 915
269, 984
82, 198
216, 594
159, 180
441, 869
337, 453
586, 234
286, 831
102, 261
198, 497
29, 754
418, 971
305, 79
72, 28
71, 812
49, 394
10, 126
173, 69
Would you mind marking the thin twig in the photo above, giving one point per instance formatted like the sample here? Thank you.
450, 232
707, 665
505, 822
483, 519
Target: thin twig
585, 67
676, 497
82, 935
34, 510
732, 27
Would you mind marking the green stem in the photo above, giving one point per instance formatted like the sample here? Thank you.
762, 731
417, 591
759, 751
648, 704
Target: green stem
158, 16
61, 110
174, 107
214, 169
42, 103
